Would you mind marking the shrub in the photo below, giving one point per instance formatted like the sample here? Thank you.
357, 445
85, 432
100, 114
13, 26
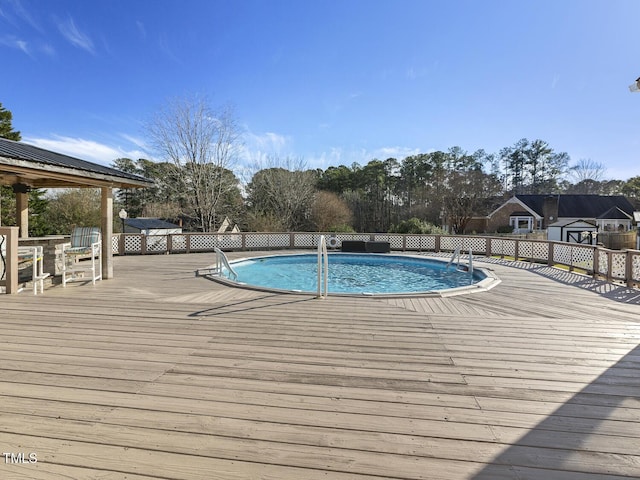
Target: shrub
415, 225
505, 229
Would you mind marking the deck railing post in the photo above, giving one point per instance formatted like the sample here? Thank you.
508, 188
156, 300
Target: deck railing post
551, 254
516, 250
609, 265
11, 258
628, 268
437, 246
143, 244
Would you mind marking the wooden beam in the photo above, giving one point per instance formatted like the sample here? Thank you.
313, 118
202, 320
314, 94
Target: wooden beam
106, 206
30, 170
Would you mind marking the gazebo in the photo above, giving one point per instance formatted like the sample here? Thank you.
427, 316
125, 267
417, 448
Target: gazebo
24, 166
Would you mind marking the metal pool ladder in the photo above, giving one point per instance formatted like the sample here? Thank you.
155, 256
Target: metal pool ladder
323, 273
221, 260
456, 258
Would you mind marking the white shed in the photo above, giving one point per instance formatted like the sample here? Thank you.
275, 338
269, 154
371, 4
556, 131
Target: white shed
573, 231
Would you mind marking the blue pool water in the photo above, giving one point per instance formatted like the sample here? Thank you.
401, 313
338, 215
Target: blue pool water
353, 273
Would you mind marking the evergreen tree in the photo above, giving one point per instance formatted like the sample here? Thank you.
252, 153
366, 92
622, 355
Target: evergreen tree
6, 127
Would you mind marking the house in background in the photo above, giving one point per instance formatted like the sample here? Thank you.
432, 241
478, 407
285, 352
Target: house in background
150, 226
527, 213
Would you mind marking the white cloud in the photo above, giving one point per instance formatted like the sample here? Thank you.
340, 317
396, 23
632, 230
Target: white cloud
137, 141
338, 156
86, 149
395, 152
262, 149
14, 42
269, 141
70, 31
25, 15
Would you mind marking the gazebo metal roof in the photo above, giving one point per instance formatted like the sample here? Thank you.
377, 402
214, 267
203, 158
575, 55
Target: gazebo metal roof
21, 163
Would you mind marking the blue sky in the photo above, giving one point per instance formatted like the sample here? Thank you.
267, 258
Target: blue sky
330, 81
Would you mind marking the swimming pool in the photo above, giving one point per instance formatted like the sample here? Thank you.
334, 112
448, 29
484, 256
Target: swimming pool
358, 274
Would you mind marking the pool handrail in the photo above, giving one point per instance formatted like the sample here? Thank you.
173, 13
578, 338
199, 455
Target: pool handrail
456, 257
221, 260
322, 253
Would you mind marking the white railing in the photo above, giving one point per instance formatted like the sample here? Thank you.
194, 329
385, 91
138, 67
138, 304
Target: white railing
323, 267
222, 261
456, 257
613, 265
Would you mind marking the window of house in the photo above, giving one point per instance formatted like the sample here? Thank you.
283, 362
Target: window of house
521, 223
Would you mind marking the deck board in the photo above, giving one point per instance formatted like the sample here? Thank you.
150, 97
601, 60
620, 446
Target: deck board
160, 374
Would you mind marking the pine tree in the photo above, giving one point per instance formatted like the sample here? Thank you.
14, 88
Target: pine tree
6, 128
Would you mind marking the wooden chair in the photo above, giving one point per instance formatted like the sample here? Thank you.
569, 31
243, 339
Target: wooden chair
85, 242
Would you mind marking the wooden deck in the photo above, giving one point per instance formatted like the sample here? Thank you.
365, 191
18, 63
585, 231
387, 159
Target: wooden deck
159, 374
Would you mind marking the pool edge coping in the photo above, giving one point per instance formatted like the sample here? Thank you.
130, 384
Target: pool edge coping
490, 281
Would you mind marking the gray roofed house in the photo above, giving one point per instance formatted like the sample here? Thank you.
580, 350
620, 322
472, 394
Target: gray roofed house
537, 212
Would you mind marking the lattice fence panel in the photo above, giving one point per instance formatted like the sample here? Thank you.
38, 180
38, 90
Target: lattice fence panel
229, 241
618, 264
203, 242
635, 267
133, 243
582, 257
476, 244
428, 242
279, 240
525, 249
156, 243
361, 237
414, 242
503, 246
114, 244
256, 240
303, 240
394, 240
540, 251
562, 254
450, 243
178, 243
603, 263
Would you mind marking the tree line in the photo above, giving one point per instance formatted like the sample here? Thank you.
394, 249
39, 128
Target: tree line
196, 185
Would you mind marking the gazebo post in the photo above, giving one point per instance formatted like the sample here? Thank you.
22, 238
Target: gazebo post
106, 206
22, 213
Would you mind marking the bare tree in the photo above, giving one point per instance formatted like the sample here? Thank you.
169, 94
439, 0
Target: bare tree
587, 169
203, 144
